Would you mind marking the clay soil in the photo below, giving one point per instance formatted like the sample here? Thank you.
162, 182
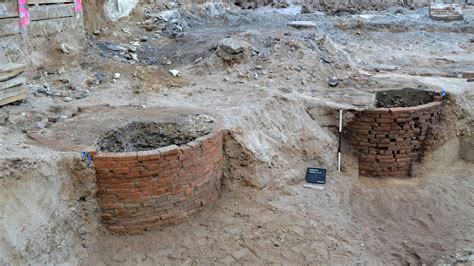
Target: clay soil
144, 136
403, 98
279, 101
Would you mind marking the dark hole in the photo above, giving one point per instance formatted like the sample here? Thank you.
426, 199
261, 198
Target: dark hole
143, 136
403, 98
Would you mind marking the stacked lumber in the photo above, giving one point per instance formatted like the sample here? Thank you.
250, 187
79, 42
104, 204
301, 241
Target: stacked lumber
12, 85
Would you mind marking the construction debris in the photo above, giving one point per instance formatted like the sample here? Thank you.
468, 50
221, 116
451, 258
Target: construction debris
302, 24
446, 12
12, 87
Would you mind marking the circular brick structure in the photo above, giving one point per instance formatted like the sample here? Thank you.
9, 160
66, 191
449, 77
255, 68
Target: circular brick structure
140, 191
388, 140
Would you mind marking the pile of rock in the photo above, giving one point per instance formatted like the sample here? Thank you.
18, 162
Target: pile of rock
168, 22
121, 52
232, 51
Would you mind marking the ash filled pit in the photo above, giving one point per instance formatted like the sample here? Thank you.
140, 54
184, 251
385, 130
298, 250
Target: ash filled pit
403, 98
147, 135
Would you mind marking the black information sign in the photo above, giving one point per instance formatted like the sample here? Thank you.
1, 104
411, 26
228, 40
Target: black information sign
316, 175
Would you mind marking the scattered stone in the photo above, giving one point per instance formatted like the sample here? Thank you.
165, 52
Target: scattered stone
81, 95
232, 51
96, 32
67, 99
100, 77
169, 62
231, 46
282, 4
116, 75
126, 31
175, 72
53, 119
305, 9
143, 38
66, 49
396, 10
388, 68
302, 24
333, 81
113, 47
171, 5
167, 15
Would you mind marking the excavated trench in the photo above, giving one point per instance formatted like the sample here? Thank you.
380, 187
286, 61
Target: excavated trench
390, 138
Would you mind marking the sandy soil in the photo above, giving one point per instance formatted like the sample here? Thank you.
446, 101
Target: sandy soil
281, 116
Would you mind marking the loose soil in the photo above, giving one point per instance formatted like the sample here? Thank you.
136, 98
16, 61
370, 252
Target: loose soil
144, 136
403, 98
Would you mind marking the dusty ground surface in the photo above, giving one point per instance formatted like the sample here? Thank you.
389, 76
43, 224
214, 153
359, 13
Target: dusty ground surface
403, 98
272, 91
125, 128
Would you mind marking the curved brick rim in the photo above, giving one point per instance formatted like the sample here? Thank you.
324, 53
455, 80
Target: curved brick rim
388, 140
141, 191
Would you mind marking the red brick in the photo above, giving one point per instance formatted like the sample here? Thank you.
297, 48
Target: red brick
127, 187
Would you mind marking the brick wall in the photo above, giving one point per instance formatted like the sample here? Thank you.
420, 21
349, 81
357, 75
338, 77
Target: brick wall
388, 140
140, 191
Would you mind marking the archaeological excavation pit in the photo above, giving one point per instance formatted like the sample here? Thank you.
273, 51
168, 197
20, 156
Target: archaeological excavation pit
153, 167
389, 138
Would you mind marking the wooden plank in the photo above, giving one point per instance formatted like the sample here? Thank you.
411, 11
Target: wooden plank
51, 11
34, 2
9, 26
8, 10
9, 75
12, 91
50, 26
13, 99
9, 67
12, 82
